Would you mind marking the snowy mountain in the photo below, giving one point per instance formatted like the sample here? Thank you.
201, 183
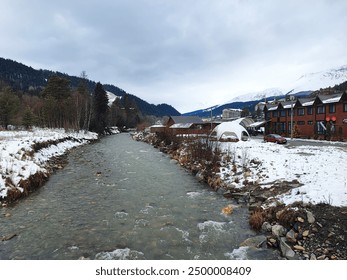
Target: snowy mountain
323, 79
260, 95
301, 87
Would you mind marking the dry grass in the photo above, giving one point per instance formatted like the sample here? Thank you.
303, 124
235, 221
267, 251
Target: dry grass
256, 219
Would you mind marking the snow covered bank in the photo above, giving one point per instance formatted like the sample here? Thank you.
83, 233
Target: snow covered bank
321, 169
24, 154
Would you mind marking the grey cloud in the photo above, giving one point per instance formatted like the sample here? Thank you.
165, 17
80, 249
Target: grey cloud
177, 47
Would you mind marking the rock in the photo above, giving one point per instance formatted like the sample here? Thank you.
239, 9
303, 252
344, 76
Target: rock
266, 227
256, 241
241, 196
7, 215
298, 248
228, 194
322, 257
254, 206
305, 233
260, 198
278, 230
273, 240
286, 250
228, 210
310, 217
313, 257
300, 219
174, 161
291, 236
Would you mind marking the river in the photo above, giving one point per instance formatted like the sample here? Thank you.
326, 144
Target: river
122, 199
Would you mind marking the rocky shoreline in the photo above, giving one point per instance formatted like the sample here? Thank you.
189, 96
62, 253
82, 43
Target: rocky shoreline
298, 231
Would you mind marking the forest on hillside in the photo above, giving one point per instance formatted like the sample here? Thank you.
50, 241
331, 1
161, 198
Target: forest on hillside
44, 98
59, 105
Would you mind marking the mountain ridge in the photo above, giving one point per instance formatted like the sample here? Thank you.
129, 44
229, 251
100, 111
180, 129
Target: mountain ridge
303, 86
25, 78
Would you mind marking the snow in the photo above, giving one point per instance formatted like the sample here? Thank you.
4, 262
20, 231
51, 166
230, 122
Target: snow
332, 100
111, 97
321, 169
18, 161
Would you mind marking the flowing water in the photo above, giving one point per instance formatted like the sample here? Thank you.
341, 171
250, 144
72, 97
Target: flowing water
122, 199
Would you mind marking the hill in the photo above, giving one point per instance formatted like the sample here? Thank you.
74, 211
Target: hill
27, 79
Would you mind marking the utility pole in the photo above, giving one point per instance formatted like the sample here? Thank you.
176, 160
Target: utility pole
291, 117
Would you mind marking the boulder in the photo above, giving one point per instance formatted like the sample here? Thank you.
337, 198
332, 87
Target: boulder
291, 236
310, 217
266, 227
278, 230
256, 241
286, 250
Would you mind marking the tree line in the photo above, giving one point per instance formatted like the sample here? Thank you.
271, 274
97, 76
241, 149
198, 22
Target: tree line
59, 105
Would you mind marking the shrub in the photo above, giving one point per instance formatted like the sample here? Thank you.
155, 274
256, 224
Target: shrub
256, 219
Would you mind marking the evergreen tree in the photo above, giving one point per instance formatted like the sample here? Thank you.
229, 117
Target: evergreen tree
100, 109
28, 118
9, 106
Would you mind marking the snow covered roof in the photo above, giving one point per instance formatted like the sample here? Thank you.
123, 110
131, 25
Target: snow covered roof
157, 125
233, 129
333, 99
256, 124
181, 125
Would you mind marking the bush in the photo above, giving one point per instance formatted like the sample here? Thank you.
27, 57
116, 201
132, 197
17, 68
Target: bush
256, 219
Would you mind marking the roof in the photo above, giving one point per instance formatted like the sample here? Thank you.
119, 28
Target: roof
257, 124
306, 101
326, 99
181, 125
187, 119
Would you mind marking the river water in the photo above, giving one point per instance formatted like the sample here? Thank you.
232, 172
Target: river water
122, 199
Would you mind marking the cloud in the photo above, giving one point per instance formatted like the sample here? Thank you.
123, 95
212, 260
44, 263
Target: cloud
185, 53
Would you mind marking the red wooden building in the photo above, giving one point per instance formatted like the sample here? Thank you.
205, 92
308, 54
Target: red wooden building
320, 117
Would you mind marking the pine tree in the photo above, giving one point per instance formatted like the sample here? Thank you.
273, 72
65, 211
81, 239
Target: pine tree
9, 106
100, 109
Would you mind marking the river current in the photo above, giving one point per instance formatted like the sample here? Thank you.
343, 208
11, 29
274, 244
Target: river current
122, 199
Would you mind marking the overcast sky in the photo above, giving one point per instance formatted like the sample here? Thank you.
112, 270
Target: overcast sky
189, 54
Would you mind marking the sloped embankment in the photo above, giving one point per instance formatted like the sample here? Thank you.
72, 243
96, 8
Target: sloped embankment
27, 158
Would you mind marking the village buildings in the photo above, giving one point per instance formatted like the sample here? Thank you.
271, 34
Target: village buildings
319, 117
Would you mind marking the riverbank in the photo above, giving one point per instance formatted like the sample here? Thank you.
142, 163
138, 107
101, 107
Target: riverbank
27, 158
297, 196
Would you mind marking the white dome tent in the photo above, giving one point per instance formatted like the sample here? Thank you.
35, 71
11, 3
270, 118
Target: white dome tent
233, 130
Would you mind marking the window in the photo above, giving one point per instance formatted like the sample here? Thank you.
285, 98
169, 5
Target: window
309, 110
332, 108
320, 109
301, 111
275, 114
282, 128
310, 122
345, 107
301, 122
321, 128
290, 112
283, 113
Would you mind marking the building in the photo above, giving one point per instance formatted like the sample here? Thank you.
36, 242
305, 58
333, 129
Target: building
231, 114
320, 117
